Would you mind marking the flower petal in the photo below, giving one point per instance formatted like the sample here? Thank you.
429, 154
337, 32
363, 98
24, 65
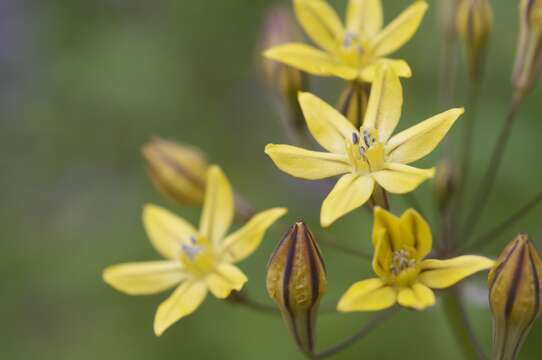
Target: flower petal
364, 17
382, 254
400, 30
400, 179
166, 231
327, 125
143, 278
218, 208
244, 241
385, 103
417, 297
416, 224
440, 274
367, 295
401, 68
184, 300
418, 141
385, 220
320, 22
311, 60
350, 192
307, 164
225, 279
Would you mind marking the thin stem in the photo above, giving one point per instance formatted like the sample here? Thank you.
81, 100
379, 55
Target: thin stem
343, 248
486, 186
486, 239
460, 324
369, 326
468, 132
380, 197
241, 298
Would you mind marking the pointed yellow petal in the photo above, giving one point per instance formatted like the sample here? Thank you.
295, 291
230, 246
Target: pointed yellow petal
400, 30
416, 142
439, 274
218, 208
382, 254
311, 60
350, 192
184, 301
367, 295
307, 164
400, 67
225, 279
385, 103
244, 241
400, 179
320, 22
386, 226
416, 297
364, 17
166, 231
416, 224
143, 278
327, 125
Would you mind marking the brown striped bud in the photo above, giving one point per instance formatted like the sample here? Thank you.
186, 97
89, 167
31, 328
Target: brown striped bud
528, 63
283, 80
514, 295
177, 170
474, 23
353, 102
296, 281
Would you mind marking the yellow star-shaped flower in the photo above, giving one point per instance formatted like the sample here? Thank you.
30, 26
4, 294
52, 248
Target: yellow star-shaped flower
197, 261
366, 156
404, 275
350, 51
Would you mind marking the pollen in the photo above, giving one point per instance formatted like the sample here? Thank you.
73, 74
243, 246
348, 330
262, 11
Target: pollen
401, 261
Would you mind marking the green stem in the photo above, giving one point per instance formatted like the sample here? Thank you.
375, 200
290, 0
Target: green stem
380, 197
241, 298
343, 248
369, 326
488, 181
460, 325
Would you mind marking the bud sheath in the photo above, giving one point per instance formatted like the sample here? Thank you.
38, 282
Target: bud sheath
296, 281
514, 295
353, 102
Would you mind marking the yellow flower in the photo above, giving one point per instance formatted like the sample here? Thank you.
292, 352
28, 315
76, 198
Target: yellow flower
404, 276
353, 50
366, 156
197, 261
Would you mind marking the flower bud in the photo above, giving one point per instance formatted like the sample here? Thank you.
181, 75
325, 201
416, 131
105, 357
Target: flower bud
474, 23
296, 281
528, 63
283, 80
514, 296
445, 184
178, 171
353, 102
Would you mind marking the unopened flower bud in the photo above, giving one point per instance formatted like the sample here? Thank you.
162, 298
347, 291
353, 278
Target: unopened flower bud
296, 281
514, 295
445, 184
284, 81
528, 63
353, 102
474, 23
177, 170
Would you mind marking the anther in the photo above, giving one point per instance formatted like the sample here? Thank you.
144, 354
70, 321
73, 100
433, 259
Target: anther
355, 138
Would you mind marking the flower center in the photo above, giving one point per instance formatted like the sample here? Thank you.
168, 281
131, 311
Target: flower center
365, 152
353, 49
403, 267
197, 256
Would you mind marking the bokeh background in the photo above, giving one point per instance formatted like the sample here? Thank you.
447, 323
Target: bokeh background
85, 83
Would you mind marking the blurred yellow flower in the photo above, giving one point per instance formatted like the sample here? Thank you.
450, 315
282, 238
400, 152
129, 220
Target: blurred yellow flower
350, 51
197, 261
404, 276
366, 156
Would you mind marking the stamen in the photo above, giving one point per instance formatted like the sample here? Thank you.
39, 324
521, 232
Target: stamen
355, 138
366, 138
349, 38
191, 251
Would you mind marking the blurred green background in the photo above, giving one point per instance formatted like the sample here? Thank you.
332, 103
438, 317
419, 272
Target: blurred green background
85, 83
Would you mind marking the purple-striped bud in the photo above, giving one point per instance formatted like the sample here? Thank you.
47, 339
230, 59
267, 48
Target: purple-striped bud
528, 63
296, 281
474, 23
177, 170
353, 102
515, 285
